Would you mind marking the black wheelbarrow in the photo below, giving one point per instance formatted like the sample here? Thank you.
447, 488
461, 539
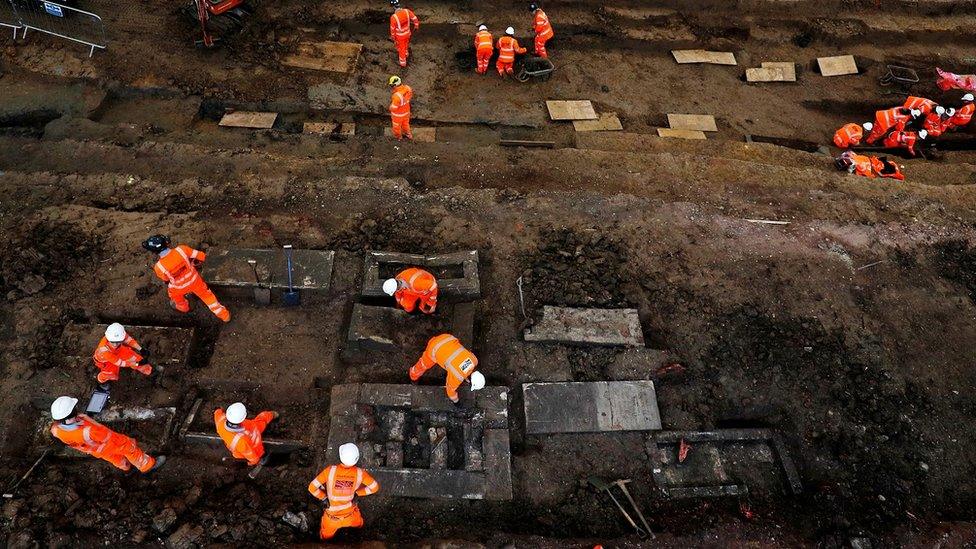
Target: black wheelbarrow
535, 67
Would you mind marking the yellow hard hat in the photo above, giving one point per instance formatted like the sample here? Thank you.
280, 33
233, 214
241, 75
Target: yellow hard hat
394, 81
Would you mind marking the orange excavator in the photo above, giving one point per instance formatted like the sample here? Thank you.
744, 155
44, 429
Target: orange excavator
220, 17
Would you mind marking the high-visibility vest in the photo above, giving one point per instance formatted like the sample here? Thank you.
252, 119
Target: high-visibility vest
543, 29
417, 281
848, 135
340, 484
890, 118
483, 41
175, 266
85, 435
863, 165
400, 102
400, 22
963, 115
448, 352
935, 124
106, 356
920, 103
506, 49
242, 440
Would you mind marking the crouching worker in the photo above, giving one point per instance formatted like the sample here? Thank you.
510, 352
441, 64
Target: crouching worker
242, 436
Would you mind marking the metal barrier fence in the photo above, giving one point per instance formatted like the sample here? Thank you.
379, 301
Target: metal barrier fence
60, 20
8, 17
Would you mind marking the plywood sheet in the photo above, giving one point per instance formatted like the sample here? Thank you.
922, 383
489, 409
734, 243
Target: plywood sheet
837, 66
571, 110
700, 122
704, 56
325, 56
249, 119
780, 73
680, 134
329, 128
608, 121
423, 135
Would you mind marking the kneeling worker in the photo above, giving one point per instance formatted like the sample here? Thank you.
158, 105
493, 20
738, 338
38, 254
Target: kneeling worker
447, 352
340, 484
242, 436
119, 350
411, 286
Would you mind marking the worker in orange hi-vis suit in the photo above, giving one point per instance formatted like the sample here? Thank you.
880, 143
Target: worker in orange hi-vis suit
850, 135
894, 118
242, 436
86, 435
920, 104
905, 140
400, 29
446, 351
508, 46
484, 47
963, 114
400, 107
119, 350
413, 286
543, 30
177, 266
937, 121
340, 484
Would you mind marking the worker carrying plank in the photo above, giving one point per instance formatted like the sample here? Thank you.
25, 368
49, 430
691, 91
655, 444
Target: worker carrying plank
242, 436
542, 28
400, 107
178, 268
447, 352
119, 350
402, 24
895, 118
508, 46
868, 166
484, 47
340, 484
907, 140
850, 135
84, 434
413, 286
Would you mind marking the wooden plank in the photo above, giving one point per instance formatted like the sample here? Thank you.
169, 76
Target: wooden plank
700, 122
680, 134
608, 122
571, 110
838, 65
526, 143
325, 56
704, 56
249, 119
772, 74
328, 128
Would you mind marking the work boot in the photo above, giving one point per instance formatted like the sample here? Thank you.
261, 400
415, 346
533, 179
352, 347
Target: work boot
104, 387
160, 460
265, 458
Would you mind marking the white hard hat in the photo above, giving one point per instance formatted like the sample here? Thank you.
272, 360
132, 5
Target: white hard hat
477, 381
349, 454
62, 407
968, 97
236, 412
922, 134
916, 113
511, 32
390, 286
483, 28
867, 126
939, 109
951, 111
115, 333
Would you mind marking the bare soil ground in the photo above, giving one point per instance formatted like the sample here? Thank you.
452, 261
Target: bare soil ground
849, 330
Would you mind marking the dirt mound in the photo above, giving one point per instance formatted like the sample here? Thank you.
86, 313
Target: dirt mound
390, 231
42, 253
957, 262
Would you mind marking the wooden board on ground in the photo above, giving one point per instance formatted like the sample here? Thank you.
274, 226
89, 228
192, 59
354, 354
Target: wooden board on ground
680, 134
837, 66
608, 122
703, 56
329, 128
325, 56
772, 72
249, 119
571, 110
700, 122
423, 135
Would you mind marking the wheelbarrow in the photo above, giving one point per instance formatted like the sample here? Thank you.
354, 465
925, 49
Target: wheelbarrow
902, 76
535, 67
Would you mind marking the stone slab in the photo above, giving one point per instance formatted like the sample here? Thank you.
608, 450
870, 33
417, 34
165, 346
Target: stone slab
168, 345
680, 134
345, 129
420, 133
312, 269
325, 56
249, 119
587, 327
571, 110
467, 287
430, 483
772, 72
704, 56
838, 65
699, 122
498, 462
590, 407
608, 121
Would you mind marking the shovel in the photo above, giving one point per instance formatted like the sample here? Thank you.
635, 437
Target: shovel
290, 298
262, 295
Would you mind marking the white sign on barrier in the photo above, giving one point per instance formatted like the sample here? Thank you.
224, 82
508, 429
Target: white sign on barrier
53, 9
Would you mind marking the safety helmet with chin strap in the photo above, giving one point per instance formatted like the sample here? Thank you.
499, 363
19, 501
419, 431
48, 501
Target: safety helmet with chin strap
156, 243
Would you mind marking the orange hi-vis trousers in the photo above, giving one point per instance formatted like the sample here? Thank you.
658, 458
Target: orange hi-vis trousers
200, 289
446, 351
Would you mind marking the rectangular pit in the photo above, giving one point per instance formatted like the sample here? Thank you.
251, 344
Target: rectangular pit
385, 329
168, 345
587, 327
456, 273
590, 407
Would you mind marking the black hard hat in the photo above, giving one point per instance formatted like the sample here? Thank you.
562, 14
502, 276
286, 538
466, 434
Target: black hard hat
533, 6
156, 243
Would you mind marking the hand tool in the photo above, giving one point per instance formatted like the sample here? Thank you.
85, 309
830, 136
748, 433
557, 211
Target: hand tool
622, 483
262, 295
601, 484
290, 298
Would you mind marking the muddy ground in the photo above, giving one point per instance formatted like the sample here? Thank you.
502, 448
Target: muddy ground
848, 330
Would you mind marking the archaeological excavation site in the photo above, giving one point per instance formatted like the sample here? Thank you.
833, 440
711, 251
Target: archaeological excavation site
488, 274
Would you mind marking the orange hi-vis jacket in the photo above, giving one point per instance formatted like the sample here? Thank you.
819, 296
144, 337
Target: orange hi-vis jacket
85, 435
400, 101
416, 284
963, 115
543, 29
849, 135
245, 441
447, 352
400, 23
920, 103
110, 359
902, 139
340, 485
175, 266
483, 41
935, 124
886, 120
508, 46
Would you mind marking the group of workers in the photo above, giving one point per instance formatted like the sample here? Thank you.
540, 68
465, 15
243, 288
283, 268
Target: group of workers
404, 22
903, 127
413, 289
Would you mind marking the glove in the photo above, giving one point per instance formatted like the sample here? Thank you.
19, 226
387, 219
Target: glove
144, 352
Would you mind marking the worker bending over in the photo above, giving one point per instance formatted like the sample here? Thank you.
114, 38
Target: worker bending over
447, 352
937, 121
242, 436
400, 107
119, 350
178, 268
508, 46
400, 29
907, 140
850, 135
86, 435
340, 484
868, 166
964, 114
413, 286
484, 47
921, 104
895, 118
542, 28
